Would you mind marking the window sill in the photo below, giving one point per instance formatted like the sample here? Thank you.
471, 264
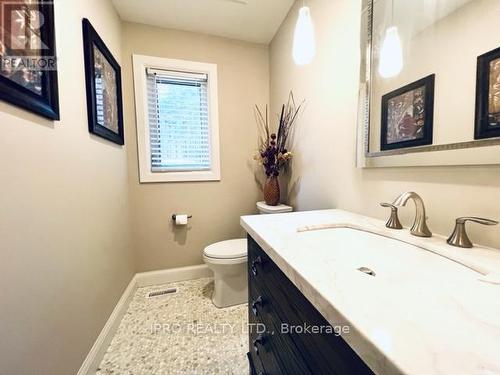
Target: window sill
179, 176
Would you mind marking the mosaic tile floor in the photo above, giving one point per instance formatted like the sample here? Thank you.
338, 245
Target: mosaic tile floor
180, 333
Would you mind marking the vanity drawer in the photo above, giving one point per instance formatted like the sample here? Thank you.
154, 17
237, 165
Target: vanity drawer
287, 354
325, 353
254, 370
262, 351
260, 266
283, 303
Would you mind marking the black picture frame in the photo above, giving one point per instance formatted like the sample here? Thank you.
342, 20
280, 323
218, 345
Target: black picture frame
483, 125
45, 104
90, 40
428, 117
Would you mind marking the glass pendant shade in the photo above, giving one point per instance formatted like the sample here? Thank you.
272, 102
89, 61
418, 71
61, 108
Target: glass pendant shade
304, 44
391, 54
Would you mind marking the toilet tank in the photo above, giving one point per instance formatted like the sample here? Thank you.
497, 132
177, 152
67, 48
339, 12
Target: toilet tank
279, 209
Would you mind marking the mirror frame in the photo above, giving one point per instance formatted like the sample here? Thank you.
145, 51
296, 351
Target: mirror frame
474, 152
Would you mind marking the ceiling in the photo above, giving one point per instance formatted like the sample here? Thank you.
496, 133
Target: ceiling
249, 20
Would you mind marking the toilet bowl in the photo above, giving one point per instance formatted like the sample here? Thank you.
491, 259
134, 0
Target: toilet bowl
228, 261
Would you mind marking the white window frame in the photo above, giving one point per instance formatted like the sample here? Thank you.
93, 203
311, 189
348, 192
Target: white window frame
140, 64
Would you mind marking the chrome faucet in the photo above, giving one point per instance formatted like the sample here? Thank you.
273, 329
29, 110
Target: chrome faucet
419, 227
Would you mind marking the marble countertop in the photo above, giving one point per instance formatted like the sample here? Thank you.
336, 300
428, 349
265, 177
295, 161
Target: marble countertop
430, 309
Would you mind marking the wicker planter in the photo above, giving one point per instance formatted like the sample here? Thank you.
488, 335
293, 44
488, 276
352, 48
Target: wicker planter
272, 191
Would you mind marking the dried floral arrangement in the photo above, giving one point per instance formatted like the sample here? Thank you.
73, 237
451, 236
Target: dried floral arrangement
274, 152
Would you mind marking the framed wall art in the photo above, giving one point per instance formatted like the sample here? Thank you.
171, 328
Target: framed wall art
104, 89
28, 63
488, 95
407, 115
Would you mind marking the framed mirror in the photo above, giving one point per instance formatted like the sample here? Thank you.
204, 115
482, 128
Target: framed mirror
429, 83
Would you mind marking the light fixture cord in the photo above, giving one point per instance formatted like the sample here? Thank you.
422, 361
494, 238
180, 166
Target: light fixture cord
392, 13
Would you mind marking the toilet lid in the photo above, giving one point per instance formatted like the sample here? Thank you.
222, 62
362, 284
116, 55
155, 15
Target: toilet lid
227, 249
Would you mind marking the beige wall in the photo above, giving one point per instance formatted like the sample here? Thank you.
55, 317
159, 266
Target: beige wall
324, 169
243, 80
65, 256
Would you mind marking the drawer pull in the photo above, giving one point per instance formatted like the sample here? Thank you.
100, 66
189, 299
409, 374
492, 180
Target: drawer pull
256, 261
256, 343
256, 302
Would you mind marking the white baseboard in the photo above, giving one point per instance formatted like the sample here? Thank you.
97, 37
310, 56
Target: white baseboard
96, 354
94, 358
172, 275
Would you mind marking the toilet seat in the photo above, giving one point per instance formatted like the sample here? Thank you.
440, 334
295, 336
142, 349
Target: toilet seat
223, 262
230, 250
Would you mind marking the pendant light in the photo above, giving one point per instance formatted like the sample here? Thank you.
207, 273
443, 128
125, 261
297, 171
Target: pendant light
391, 53
304, 44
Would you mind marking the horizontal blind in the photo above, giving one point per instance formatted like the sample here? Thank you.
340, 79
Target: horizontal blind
179, 130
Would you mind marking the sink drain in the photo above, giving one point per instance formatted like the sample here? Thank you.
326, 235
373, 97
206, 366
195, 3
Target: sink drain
367, 270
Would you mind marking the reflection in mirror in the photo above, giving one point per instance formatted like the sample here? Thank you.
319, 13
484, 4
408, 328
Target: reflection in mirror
420, 74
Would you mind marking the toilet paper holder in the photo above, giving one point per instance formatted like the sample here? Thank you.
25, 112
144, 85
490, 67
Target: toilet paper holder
175, 215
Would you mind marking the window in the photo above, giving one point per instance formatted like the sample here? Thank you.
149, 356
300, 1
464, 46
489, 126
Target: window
177, 120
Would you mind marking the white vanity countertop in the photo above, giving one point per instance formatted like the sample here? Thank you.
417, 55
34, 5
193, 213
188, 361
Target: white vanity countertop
420, 314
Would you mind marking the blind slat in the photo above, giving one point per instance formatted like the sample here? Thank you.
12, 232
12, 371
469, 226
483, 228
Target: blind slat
178, 121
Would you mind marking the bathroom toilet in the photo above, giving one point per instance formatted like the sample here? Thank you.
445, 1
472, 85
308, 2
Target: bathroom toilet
228, 262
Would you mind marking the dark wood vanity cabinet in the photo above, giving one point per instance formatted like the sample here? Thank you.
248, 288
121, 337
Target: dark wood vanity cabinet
274, 306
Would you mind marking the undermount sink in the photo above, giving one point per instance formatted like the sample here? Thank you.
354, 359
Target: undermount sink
379, 257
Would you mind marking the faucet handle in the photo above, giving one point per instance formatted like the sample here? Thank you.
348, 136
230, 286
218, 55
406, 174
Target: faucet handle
393, 222
479, 220
459, 236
